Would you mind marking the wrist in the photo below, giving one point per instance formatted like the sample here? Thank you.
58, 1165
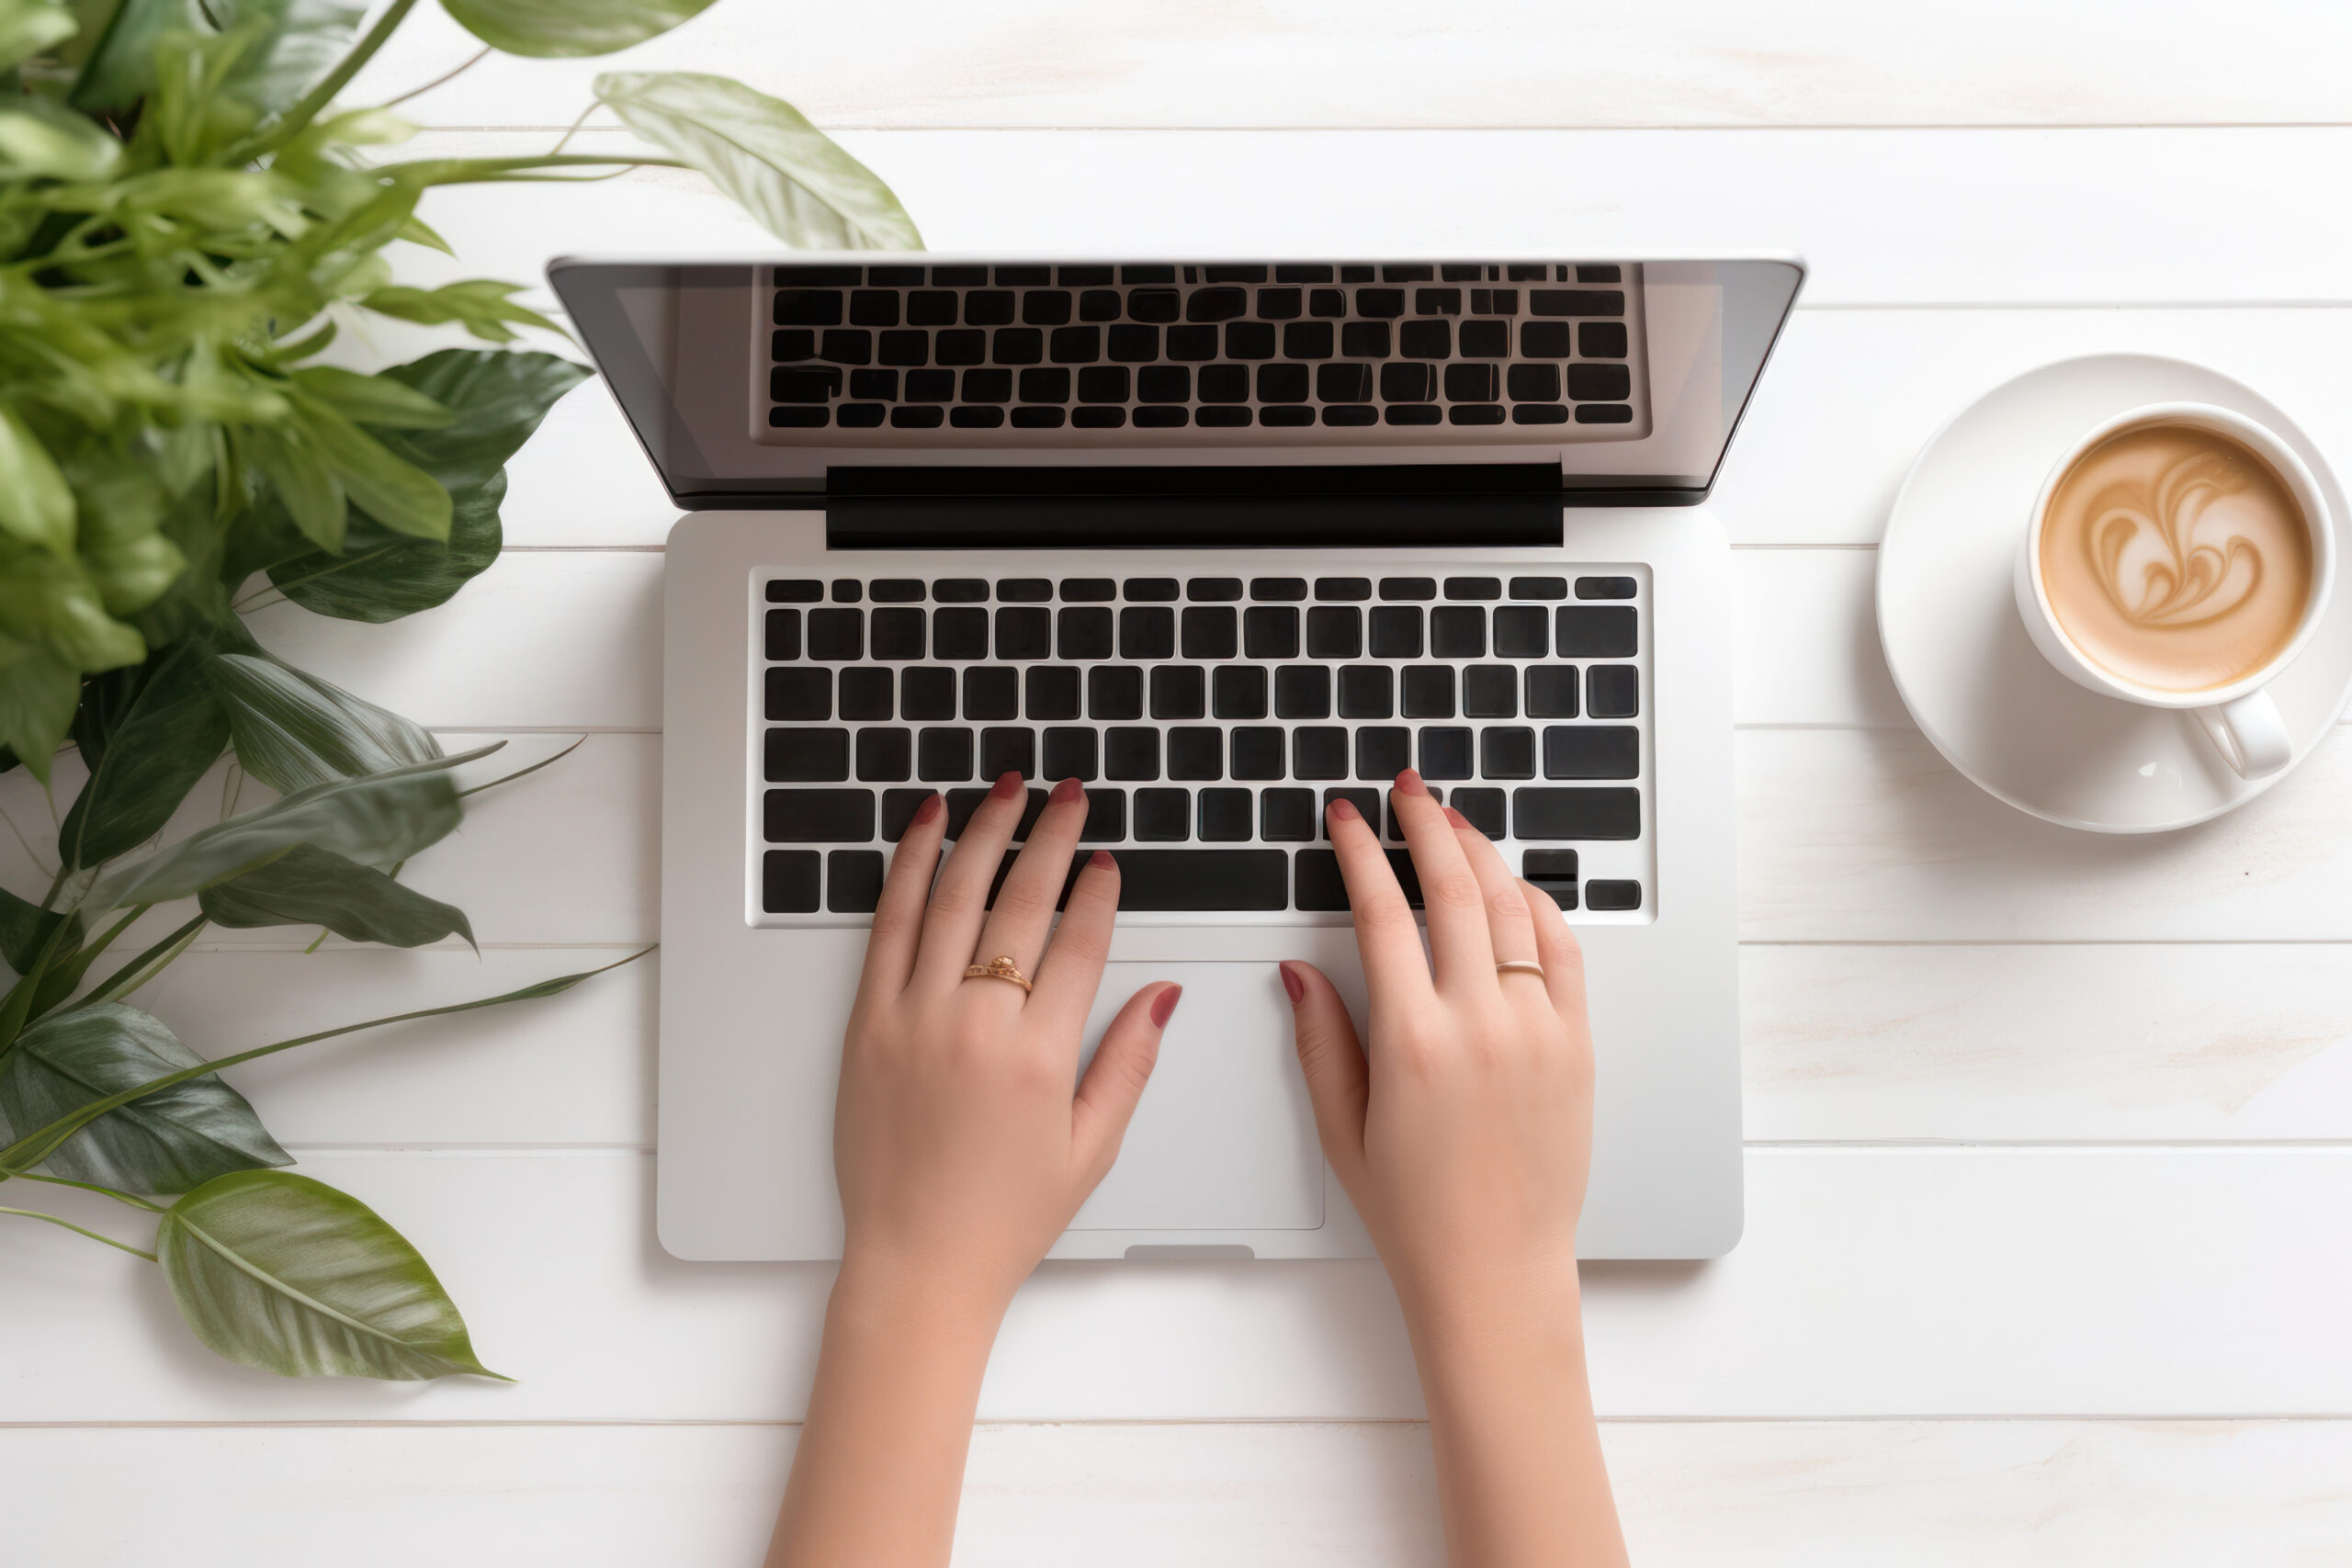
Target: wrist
917, 1300
1474, 1308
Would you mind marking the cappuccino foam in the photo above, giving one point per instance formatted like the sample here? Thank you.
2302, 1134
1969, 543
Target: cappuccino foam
2176, 558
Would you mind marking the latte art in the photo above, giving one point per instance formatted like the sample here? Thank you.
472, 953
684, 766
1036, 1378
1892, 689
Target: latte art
2175, 557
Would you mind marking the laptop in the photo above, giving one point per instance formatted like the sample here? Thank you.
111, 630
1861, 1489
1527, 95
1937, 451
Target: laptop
1225, 539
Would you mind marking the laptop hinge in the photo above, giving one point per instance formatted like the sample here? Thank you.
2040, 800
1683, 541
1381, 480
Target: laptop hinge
1075, 508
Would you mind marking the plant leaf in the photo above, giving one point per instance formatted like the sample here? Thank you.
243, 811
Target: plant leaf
304, 483
549, 30
24, 926
36, 696
295, 42
174, 729
169, 1141
288, 1275
42, 139
484, 308
309, 886
375, 819
294, 730
372, 399
34, 503
381, 576
393, 491
763, 152
28, 27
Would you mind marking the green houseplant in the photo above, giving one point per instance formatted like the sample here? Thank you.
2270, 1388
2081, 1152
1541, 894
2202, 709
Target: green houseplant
186, 216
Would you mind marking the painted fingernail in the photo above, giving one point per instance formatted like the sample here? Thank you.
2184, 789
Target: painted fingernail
1007, 786
1456, 817
1100, 861
1293, 984
1344, 811
1164, 1004
1066, 792
1410, 782
930, 808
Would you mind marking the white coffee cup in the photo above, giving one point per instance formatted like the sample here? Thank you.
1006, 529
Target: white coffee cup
2241, 719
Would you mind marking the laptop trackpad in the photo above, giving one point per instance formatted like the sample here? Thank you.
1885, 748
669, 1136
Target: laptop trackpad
1224, 1137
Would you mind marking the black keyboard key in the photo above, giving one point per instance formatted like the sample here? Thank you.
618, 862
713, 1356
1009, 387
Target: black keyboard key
848, 591
1069, 754
1270, 631
899, 632
1343, 590
925, 386
1507, 752
1365, 801
1169, 880
1224, 816
959, 632
885, 756
1553, 872
1302, 691
1584, 631
807, 756
1131, 752
1587, 383
1217, 304
1534, 383
1089, 590
1154, 304
1134, 346
1490, 690
1052, 692
1179, 691
1319, 753
1576, 301
1151, 590
1485, 340
1196, 751
1539, 815
1115, 691
927, 693
1222, 418
837, 636
1043, 386
1366, 692
1238, 691
931, 307
1024, 589
1521, 631
1008, 750
896, 590
1163, 816
1106, 817
993, 385
783, 634
808, 306
988, 307
992, 691
1457, 631
1538, 587
1472, 383
803, 694
964, 345
1427, 691
1046, 307
1097, 304
866, 694
1545, 340
1395, 631
1085, 632
1609, 894
1602, 340
1308, 340
795, 591
1023, 631
818, 816
1428, 340
1445, 752
1191, 344
899, 808
1320, 887
1383, 750
793, 344
1102, 384
1279, 590
1591, 751
1598, 273
1366, 339
1587, 413
1408, 383
1409, 588
1147, 632
854, 345
906, 347
1279, 304
1250, 340
1551, 691
1612, 691
943, 755
1334, 631
1211, 631
1474, 588
1333, 302
788, 882
1282, 384
963, 803
1256, 751
852, 880
1163, 384
1380, 302
1484, 808
1606, 588
1286, 816
1437, 301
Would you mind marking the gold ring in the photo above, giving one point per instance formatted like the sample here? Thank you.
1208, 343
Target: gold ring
1519, 966
999, 969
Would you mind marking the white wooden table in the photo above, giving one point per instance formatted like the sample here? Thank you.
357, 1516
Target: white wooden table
2048, 1254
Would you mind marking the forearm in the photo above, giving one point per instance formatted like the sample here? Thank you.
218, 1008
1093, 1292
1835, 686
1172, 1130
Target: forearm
1520, 1472
880, 1466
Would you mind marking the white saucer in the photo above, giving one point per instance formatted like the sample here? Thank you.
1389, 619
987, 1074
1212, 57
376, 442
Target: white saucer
1989, 702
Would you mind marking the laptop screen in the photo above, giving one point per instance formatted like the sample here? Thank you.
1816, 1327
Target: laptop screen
800, 381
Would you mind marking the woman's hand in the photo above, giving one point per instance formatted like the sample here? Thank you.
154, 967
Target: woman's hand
959, 1148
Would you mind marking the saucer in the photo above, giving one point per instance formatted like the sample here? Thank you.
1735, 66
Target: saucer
1982, 693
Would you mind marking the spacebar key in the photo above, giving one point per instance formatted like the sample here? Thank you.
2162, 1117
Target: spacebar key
1203, 879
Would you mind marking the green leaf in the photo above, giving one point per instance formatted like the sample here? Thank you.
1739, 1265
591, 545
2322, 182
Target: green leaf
482, 307
395, 492
288, 1275
28, 27
308, 886
36, 505
294, 42
375, 820
152, 758
42, 139
37, 692
548, 29
305, 485
294, 730
764, 154
53, 598
24, 926
498, 399
169, 1141
372, 399
381, 577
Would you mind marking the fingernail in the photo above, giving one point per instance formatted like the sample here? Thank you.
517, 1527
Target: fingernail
1344, 811
1164, 1004
1456, 817
1066, 792
932, 807
1100, 861
1410, 782
1293, 984
1007, 786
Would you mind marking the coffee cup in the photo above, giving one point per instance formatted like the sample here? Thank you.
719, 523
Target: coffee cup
2180, 555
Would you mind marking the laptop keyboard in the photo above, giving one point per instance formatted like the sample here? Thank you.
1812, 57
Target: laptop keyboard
1213, 719
1471, 351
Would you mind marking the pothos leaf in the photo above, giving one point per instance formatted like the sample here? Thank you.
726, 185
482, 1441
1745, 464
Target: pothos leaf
565, 28
294, 730
175, 728
308, 886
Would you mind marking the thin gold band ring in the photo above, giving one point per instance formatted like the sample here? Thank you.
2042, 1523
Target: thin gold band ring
999, 969
1519, 966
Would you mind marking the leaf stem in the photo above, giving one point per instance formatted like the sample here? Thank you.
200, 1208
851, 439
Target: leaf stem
446, 77
521, 773
122, 982
77, 1230
131, 1198
306, 108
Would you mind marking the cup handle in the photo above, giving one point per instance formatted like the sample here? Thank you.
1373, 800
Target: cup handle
2249, 734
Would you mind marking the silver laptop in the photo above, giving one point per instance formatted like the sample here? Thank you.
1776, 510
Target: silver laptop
1225, 539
